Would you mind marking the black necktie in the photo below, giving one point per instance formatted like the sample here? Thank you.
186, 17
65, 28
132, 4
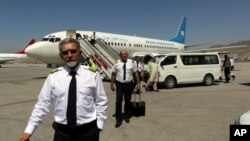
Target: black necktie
71, 109
124, 70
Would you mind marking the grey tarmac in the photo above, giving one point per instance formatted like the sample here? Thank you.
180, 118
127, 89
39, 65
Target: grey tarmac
187, 113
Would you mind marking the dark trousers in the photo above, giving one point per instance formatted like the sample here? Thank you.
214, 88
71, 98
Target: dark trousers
123, 90
227, 73
86, 132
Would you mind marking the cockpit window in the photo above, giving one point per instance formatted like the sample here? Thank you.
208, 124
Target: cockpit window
58, 39
45, 39
53, 40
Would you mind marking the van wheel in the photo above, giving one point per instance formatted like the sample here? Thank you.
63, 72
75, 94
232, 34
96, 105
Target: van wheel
170, 82
208, 80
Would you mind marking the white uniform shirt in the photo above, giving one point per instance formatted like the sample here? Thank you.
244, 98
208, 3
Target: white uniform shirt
139, 66
232, 62
118, 69
92, 101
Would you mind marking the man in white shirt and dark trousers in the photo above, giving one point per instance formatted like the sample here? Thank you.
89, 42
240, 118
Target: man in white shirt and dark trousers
123, 74
140, 68
77, 96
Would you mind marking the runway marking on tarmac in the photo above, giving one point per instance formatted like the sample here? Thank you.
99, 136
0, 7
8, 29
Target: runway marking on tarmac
12, 82
19, 102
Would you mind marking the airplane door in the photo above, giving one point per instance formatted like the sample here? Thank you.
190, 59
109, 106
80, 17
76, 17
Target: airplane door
71, 33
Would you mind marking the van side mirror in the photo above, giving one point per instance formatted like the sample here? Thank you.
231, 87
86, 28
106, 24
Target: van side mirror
161, 64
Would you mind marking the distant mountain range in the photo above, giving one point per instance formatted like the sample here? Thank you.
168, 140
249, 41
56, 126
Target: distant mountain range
244, 42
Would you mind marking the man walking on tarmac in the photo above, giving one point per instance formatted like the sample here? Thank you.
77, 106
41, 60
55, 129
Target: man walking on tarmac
153, 76
123, 74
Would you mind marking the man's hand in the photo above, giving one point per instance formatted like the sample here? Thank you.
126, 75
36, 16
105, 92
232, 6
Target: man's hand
112, 88
24, 137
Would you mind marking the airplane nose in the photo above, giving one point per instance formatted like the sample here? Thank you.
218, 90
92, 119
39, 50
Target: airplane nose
46, 52
33, 50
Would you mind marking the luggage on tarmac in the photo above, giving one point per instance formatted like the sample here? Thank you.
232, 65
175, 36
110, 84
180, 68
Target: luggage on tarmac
138, 108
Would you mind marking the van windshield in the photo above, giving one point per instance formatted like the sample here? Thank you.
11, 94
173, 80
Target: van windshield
169, 60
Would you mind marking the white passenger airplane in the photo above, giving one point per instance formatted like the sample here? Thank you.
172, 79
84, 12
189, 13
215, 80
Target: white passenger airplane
47, 51
5, 57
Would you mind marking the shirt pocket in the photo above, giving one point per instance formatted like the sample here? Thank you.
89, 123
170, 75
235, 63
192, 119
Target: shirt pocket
59, 97
85, 96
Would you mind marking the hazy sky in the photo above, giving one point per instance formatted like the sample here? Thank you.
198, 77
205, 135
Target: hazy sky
220, 21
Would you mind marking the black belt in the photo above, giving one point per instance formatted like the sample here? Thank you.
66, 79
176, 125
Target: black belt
81, 128
124, 82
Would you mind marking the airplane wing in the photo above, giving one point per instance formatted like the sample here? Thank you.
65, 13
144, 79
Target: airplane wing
193, 45
5, 57
141, 54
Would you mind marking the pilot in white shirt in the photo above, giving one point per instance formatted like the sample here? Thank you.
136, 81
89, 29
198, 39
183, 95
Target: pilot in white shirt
119, 70
78, 99
123, 74
91, 98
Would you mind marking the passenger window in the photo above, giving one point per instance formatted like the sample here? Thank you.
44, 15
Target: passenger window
199, 60
169, 60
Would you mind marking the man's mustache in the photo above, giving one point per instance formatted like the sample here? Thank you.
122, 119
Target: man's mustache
71, 60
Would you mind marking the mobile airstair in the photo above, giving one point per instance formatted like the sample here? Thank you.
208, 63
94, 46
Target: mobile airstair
101, 53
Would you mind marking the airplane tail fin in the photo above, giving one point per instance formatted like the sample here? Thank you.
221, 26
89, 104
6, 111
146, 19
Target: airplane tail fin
180, 35
32, 41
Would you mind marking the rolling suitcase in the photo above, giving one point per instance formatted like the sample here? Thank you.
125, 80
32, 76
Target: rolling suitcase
138, 108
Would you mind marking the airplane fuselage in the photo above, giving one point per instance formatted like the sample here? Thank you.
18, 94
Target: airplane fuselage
47, 50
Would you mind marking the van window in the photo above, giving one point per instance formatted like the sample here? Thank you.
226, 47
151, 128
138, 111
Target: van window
169, 60
199, 59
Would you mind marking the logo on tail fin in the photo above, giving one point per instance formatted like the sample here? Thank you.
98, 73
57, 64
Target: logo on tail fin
182, 33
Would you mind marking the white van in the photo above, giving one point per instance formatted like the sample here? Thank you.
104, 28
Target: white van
184, 68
